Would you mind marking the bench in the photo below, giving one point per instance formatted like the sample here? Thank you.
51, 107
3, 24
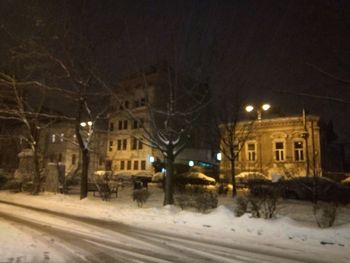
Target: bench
102, 188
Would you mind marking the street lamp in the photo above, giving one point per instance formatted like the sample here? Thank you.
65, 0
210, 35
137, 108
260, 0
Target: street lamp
263, 107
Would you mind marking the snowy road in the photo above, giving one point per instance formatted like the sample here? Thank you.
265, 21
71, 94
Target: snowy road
83, 239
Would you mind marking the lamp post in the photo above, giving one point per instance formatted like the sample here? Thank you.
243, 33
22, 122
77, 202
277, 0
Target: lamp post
259, 110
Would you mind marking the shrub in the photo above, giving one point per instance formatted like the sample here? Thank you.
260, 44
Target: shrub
325, 214
263, 206
13, 186
184, 201
140, 196
241, 205
206, 201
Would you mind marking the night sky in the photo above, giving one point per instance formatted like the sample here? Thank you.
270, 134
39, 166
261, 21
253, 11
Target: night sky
267, 51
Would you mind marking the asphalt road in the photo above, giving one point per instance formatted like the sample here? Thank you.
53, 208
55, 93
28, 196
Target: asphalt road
83, 239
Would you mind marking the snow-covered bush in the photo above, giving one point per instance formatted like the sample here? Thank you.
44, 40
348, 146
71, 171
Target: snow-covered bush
263, 206
206, 201
325, 214
13, 186
240, 205
140, 196
184, 200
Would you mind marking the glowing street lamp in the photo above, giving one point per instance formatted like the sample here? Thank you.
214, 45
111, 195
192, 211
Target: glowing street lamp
151, 159
218, 156
191, 163
264, 107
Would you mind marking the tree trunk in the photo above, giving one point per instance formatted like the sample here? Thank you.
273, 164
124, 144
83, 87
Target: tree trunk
233, 176
37, 175
84, 174
169, 187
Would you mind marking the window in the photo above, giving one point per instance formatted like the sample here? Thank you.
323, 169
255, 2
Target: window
120, 125
135, 125
122, 165
53, 138
279, 151
137, 104
136, 165
110, 146
142, 102
74, 159
134, 144
119, 145
298, 151
62, 137
143, 165
126, 104
128, 165
101, 161
140, 145
60, 157
111, 126
125, 125
251, 151
125, 144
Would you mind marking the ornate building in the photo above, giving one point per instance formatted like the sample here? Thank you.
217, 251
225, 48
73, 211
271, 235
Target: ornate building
288, 146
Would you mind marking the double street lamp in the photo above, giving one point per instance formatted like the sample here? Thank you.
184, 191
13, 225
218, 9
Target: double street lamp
264, 107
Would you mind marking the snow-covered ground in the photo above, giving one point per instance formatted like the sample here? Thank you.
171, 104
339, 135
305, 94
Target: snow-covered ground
294, 228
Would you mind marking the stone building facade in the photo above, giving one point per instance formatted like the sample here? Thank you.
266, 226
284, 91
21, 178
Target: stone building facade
288, 146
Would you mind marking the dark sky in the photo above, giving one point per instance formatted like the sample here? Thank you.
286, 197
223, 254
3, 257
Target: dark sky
267, 50
260, 48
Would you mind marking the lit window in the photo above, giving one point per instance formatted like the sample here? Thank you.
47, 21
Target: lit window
53, 138
279, 151
62, 137
251, 151
298, 151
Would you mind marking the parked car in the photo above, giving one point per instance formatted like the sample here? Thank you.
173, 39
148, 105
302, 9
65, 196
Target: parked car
244, 179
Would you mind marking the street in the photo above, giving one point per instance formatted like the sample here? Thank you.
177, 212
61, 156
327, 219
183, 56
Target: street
83, 239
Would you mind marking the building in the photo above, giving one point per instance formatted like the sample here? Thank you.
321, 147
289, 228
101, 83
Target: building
288, 146
59, 145
138, 103
127, 151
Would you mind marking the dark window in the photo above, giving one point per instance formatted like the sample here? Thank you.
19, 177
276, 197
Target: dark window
60, 157
119, 145
137, 104
125, 144
142, 102
129, 165
134, 144
100, 161
122, 165
127, 104
120, 125
110, 146
143, 165
140, 145
136, 165
111, 126
125, 125
108, 165
74, 159
135, 125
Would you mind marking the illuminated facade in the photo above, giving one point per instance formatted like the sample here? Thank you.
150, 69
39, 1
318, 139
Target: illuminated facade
294, 146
